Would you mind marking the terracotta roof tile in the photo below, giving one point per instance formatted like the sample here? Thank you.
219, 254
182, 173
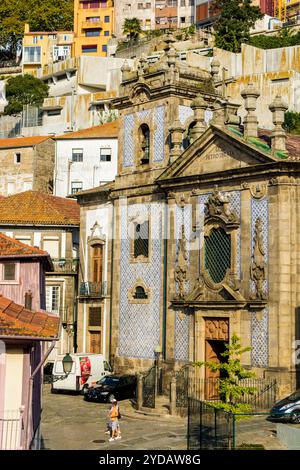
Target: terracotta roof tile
33, 207
10, 247
16, 320
109, 129
17, 142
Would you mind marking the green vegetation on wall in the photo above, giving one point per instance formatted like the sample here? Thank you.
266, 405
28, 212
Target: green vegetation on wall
285, 38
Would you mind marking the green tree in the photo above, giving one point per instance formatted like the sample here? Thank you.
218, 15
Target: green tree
234, 21
132, 28
42, 15
232, 372
292, 122
22, 90
285, 38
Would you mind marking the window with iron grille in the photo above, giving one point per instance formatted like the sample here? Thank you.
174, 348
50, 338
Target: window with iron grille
141, 240
95, 316
140, 293
217, 254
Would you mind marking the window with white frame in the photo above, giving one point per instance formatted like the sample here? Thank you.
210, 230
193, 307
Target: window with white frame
24, 239
105, 154
76, 186
32, 55
9, 272
11, 187
77, 155
53, 299
51, 245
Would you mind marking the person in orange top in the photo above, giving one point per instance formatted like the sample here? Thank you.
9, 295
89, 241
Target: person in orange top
114, 415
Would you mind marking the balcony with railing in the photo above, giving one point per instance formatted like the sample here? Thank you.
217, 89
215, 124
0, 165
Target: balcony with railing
66, 265
93, 289
92, 24
11, 429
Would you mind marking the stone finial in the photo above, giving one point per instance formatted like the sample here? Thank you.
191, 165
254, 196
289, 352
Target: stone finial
250, 95
199, 106
171, 57
144, 63
278, 137
125, 69
176, 133
214, 69
168, 39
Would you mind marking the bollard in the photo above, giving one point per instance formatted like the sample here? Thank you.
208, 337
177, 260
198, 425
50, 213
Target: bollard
173, 396
139, 398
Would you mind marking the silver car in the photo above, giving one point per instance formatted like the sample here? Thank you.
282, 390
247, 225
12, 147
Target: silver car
287, 409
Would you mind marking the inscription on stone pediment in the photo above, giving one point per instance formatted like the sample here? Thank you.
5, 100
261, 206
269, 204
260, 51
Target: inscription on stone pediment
217, 155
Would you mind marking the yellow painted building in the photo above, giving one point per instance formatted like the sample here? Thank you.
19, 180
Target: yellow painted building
41, 48
293, 9
93, 26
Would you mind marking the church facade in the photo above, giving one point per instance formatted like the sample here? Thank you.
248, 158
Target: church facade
205, 225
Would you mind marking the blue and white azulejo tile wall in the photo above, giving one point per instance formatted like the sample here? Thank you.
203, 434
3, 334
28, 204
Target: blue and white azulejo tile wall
139, 324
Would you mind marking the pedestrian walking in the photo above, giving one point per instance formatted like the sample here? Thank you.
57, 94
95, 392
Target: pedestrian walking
115, 415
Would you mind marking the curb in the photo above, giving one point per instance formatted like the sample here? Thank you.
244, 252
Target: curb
151, 416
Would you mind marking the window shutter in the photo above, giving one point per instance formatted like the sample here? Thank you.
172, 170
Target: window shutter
95, 316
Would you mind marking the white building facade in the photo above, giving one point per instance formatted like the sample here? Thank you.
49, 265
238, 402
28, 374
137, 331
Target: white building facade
85, 159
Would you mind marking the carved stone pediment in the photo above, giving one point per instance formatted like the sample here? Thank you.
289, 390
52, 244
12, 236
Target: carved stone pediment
140, 94
202, 293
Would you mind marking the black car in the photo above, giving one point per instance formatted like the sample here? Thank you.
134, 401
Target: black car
287, 409
110, 387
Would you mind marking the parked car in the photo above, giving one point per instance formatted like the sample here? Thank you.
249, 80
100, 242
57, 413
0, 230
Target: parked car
110, 387
287, 409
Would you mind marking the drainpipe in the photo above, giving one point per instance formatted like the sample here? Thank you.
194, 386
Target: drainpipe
30, 390
111, 282
165, 280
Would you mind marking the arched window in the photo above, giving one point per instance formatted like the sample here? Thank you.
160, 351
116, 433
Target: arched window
217, 254
188, 138
144, 141
140, 293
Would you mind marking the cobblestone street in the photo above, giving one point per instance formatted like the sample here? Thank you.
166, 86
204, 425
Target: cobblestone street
68, 423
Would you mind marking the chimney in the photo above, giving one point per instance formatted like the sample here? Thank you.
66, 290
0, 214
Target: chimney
278, 137
26, 28
250, 95
199, 106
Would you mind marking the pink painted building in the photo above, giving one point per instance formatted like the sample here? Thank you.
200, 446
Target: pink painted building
25, 332
22, 272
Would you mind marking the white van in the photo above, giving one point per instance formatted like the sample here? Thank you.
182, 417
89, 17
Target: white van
86, 369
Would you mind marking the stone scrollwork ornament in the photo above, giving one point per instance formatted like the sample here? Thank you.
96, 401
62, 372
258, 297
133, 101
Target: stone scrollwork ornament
218, 206
181, 266
258, 266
